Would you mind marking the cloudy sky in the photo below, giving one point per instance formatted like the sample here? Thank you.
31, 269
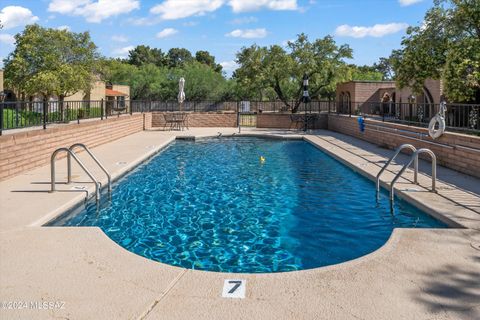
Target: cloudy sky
371, 27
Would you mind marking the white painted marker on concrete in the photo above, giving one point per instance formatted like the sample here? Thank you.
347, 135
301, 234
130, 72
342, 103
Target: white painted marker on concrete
234, 288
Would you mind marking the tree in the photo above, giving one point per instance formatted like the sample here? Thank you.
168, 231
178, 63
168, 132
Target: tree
250, 76
370, 73
445, 47
206, 58
280, 70
385, 67
150, 82
51, 62
201, 82
178, 56
141, 55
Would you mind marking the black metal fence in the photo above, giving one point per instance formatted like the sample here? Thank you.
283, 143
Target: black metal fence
458, 117
219, 106
15, 115
21, 114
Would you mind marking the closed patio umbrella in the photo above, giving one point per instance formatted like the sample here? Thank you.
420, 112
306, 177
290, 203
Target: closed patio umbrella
181, 93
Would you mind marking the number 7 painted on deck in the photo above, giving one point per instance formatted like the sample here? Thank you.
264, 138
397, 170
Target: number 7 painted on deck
234, 288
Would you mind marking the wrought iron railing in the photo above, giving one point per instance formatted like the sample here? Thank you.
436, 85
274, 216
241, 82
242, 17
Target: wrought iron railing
23, 114
15, 115
458, 117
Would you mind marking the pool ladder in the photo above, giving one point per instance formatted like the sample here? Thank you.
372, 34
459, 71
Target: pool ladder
71, 154
414, 159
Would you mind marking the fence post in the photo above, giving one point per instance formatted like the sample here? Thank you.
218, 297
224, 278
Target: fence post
1, 116
238, 117
131, 107
101, 110
45, 109
349, 108
16, 115
478, 118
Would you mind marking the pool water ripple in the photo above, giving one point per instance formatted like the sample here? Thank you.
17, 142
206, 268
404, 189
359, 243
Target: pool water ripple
213, 205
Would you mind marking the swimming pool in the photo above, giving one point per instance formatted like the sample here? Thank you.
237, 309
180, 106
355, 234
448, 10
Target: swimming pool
214, 205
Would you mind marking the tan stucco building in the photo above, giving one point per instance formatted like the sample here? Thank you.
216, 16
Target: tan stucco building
355, 93
365, 95
102, 91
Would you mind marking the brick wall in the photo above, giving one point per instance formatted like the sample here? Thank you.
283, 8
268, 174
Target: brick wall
363, 91
23, 151
453, 150
147, 121
200, 119
283, 121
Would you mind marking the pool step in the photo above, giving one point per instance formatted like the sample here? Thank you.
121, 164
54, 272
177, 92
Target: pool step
185, 138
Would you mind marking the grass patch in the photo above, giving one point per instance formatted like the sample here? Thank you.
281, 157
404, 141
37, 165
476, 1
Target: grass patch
13, 119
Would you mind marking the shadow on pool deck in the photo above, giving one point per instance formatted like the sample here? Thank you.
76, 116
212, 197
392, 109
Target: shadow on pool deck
452, 289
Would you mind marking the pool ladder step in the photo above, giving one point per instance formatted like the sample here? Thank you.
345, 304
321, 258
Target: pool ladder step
71, 154
414, 159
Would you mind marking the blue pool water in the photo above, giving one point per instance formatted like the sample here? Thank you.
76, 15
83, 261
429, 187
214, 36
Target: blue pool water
213, 205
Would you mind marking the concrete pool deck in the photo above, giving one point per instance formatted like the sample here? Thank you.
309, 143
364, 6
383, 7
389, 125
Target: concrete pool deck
418, 273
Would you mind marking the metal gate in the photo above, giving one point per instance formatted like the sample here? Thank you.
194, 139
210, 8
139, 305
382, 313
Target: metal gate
247, 119
246, 116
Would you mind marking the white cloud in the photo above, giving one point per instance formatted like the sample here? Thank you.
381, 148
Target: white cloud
253, 5
119, 38
190, 24
145, 21
67, 28
122, 52
66, 6
93, 11
405, 3
14, 16
229, 66
7, 39
378, 30
177, 9
248, 33
167, 32
244, 20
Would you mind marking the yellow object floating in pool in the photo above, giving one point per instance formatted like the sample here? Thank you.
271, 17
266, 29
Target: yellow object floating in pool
262, 159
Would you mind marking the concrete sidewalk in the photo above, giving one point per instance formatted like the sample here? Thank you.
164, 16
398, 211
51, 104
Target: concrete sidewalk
417, 274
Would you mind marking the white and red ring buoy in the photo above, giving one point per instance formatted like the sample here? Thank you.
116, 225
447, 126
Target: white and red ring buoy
441, 126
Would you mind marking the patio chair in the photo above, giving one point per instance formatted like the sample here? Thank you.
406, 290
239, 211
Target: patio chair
184, 121
170, 121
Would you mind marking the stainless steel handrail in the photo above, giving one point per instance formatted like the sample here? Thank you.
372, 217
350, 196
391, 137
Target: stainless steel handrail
414, 158
70, 152
399, 149
69, 164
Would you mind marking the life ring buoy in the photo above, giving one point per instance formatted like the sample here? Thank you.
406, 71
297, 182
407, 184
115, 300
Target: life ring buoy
441, 126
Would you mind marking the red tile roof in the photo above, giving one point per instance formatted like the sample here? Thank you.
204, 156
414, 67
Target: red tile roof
114, 93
